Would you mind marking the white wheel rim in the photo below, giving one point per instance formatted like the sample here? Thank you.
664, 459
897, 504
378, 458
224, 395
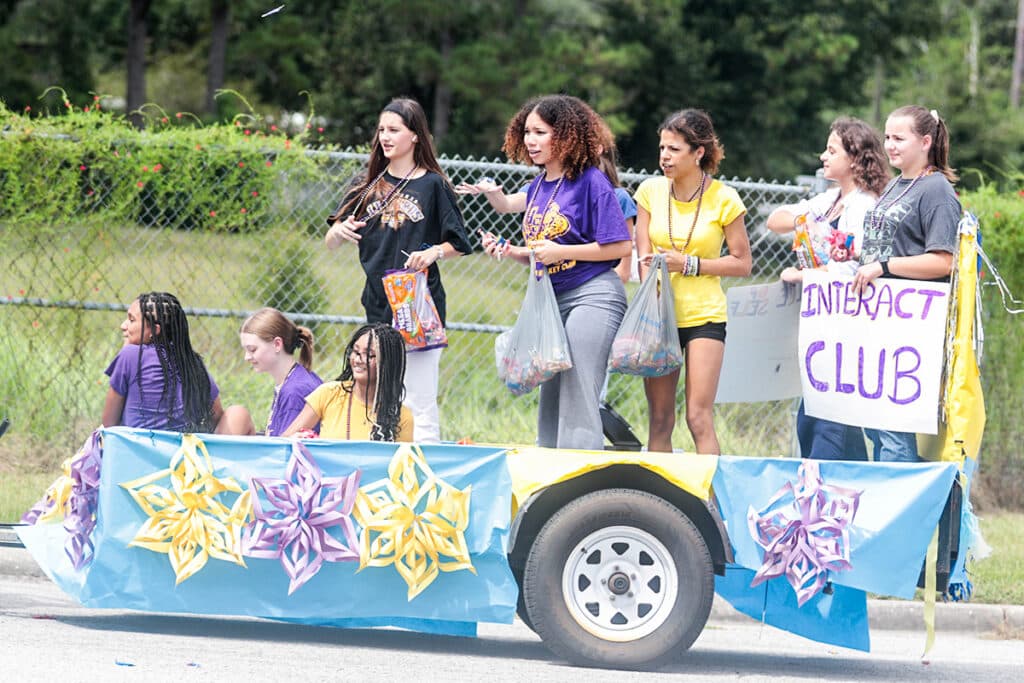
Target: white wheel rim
620, 583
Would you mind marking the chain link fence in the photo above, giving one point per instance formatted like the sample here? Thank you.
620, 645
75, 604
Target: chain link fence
65, 288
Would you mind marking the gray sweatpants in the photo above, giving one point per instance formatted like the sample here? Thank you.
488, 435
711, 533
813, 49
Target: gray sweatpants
570, 408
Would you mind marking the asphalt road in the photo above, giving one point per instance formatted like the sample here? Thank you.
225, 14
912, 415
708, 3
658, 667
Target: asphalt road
46, 636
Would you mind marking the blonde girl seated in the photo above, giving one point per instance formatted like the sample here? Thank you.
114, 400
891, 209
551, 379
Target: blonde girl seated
270, 341
365, 402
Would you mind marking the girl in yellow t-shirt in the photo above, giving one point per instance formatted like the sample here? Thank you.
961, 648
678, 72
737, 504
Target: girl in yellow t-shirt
365, 402
687, 216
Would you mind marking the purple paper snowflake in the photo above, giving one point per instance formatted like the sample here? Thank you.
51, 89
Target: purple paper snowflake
807, 536
303, 507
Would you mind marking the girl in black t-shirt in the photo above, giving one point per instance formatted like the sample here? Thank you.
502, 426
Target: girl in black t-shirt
403, 214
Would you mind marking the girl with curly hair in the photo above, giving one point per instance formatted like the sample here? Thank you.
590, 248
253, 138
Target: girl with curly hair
574, 226
855, 161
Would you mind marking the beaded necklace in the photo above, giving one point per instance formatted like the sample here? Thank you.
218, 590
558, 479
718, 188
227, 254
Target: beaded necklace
877, 215
700, 199
394, 191
547, 207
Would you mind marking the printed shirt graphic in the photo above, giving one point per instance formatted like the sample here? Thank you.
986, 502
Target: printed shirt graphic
699, 299
920, 221
585, 210
425, 212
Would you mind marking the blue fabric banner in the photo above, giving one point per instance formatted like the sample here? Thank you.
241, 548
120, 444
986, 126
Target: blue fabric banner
125, 576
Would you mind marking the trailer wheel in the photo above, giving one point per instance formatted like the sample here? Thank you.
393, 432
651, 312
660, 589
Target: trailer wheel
618, 578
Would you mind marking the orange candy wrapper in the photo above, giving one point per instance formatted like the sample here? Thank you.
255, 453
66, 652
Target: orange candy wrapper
414, 314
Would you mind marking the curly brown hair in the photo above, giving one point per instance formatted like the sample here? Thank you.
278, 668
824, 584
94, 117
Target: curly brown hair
696, 128
578, 133
864, 147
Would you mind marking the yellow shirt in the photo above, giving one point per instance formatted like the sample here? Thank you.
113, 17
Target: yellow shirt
699, 299
331, 403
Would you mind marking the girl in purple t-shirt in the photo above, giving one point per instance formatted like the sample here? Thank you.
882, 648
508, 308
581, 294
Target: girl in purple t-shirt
270, 340
157, 381
573, 225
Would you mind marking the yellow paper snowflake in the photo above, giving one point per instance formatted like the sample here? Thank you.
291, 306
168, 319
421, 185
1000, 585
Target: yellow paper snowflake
187, 521
413, 520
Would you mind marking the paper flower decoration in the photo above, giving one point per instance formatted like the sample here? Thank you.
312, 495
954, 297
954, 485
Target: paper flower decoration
301, 509
75, 495
187, 521
806, 536
413, 520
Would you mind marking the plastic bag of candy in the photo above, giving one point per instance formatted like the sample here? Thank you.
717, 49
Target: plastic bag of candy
413, 311
536, 348
647, 343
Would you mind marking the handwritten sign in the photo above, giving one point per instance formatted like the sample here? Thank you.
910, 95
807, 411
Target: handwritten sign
873, 360
761, 361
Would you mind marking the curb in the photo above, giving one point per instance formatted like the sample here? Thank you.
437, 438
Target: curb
891, 615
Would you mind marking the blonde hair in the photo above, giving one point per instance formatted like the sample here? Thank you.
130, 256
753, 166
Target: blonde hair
269, 323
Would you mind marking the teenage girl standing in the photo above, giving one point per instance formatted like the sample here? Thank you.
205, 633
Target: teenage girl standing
912, 231
687, 216
574, 226
404, 214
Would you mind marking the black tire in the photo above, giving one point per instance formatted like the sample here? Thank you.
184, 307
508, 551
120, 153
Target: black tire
635, 596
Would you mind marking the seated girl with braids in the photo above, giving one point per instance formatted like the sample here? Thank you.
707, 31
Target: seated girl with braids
365, 402
157, 381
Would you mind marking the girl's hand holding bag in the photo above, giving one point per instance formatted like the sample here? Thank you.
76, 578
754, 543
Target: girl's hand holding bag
413, 311
647, 342
536, 348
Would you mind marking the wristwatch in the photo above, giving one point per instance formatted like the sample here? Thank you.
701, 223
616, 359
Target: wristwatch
885, 267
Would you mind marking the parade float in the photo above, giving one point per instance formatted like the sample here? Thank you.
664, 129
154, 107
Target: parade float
612, 558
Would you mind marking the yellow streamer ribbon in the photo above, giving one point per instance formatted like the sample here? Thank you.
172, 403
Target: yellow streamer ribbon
57, 495
931, 560
186, 521
414, 521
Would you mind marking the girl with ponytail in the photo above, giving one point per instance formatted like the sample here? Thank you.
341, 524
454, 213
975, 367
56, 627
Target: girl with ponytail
270, 341
912, 231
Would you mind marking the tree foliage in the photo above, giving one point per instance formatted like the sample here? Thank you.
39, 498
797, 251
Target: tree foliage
773, 73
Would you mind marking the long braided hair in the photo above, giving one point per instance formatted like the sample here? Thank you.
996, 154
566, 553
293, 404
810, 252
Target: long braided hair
183, 369
387, 345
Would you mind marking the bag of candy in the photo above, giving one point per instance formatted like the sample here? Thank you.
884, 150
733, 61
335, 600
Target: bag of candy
413, 311
647, 343
536, 348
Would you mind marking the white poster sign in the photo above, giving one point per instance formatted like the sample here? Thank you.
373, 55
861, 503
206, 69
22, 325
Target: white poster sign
873, 360
761, 362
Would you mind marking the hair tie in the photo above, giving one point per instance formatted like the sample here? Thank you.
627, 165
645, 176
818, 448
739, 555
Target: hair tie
935, 115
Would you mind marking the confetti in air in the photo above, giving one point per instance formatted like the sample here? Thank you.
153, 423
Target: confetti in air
273, 11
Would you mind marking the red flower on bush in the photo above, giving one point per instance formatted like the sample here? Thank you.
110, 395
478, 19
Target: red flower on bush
163, 119
139, 184
85, 108
269, 164
241, 164
320, 129
145, 168
213, 214
243, 210
273, 127
247, 131
255, 193
82, 167
178, 115
157, 168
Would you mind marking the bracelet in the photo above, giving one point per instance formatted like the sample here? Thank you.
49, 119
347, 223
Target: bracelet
885, 267
440, 251
691, 265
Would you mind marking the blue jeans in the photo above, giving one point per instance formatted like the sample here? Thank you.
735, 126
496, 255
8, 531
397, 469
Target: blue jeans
827, 440
893, 446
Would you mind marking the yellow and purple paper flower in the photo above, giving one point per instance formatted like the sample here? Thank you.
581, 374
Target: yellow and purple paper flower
804, 531
187, 520
413, 520
301, 509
